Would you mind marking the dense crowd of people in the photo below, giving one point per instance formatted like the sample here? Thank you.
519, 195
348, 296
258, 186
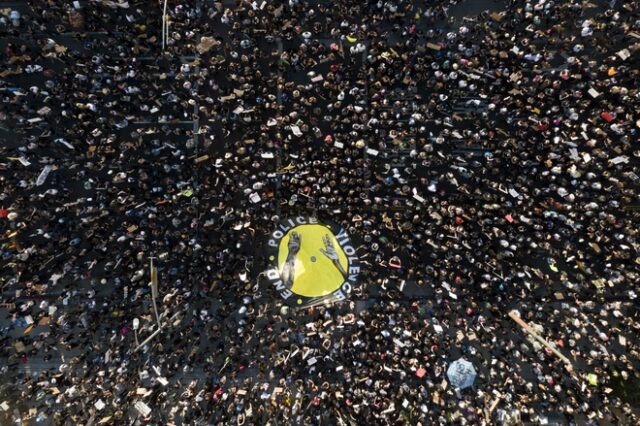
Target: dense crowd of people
482, 164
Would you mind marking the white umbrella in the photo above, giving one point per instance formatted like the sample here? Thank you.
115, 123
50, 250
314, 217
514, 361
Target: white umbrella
461, 374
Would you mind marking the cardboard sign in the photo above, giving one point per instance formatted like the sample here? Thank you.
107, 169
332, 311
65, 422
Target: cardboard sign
398, 343
418, 198
24, 161
594, 93
624, 54
496, 16
142, 408
255, 198
373, 152
43, 175
620, 159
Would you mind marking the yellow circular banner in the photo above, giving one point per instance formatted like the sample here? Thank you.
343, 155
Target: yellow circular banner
311, 261
314, 272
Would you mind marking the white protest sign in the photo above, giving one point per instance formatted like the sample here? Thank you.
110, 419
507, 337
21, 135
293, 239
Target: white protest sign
624, 54
620, 159
43, 175
142, 408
